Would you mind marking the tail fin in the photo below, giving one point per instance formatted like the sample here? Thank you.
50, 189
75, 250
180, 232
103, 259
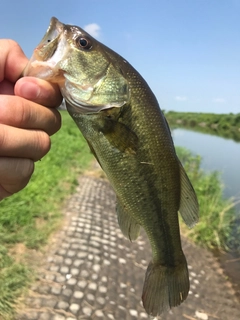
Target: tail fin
165, 287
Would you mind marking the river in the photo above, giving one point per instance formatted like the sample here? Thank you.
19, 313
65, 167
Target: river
222, 155
217, 154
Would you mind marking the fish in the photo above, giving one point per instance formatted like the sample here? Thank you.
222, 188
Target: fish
121, 120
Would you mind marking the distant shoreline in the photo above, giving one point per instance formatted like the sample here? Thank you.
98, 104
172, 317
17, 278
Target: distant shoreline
224, 125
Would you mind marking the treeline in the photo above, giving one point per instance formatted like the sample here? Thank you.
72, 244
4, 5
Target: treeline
226, 125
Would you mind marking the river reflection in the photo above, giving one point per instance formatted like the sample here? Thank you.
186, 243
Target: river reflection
217, 154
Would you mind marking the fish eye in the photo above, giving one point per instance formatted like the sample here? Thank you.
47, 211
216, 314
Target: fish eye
84, 43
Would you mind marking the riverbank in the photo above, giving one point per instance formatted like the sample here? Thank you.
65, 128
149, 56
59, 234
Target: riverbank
217, 218
223, 125
219, 227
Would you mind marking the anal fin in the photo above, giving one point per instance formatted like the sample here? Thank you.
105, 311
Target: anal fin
128, 225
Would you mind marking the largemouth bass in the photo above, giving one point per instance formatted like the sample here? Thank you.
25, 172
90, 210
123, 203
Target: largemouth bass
121, 120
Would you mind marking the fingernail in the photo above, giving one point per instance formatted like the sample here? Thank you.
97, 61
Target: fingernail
30, 91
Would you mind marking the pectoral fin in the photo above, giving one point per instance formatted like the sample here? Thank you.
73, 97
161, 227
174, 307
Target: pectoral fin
93, 152
188, 204
121, 137
129, 227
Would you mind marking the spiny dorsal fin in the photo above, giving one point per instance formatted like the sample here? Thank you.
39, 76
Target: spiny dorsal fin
188, 203
128, 225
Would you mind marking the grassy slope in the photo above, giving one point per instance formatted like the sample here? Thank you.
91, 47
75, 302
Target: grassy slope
29, 216
217, 225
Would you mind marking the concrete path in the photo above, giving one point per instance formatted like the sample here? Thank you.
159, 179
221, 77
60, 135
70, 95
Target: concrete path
92, 272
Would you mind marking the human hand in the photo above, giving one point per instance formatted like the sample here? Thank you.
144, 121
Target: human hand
27, 119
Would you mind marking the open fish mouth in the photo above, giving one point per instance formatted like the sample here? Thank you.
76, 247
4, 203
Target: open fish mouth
44, 62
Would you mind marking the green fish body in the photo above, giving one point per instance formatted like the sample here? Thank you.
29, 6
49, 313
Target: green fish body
121, 120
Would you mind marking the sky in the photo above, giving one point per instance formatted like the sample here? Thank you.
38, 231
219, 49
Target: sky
187, 50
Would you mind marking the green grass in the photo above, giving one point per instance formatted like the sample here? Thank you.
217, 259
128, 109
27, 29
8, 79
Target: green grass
14, 277
30, 216
217, 228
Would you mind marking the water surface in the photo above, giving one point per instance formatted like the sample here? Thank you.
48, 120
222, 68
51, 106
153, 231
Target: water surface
217, 154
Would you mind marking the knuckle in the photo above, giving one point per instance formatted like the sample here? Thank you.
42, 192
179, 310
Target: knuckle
44, 144
15, 111
57, 122
24, 170
24, 113
2, 136
11, 43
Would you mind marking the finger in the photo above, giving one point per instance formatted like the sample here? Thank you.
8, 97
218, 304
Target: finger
14, 175
12, 60
21, 113
6, 87
39, 91
19, 143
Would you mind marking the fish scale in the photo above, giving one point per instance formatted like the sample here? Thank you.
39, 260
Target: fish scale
122, 122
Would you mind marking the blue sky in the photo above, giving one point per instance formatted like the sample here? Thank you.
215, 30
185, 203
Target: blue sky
187, 50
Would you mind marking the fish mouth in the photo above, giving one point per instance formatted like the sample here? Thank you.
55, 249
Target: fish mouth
50, 41
46, 56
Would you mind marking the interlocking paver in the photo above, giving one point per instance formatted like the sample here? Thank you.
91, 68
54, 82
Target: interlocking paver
92, 272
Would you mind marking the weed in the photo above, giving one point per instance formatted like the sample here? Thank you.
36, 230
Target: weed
217, 226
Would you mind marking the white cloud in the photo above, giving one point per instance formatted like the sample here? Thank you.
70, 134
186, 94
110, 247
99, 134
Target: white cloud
219, 100
181, 98
93, 29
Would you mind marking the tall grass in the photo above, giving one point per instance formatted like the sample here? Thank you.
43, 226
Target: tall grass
14, 277
217, 228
